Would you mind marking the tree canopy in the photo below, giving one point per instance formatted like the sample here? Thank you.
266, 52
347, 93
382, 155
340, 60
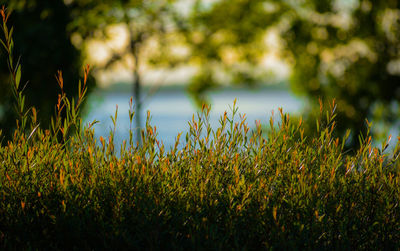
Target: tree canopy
145, 21
343, 50
348, 50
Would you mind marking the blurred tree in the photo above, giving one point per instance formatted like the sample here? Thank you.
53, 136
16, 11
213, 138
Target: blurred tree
42, 41
348, 50
227, 41
146, 21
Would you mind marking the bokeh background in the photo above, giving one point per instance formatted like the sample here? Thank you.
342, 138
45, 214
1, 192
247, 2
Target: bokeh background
173, 55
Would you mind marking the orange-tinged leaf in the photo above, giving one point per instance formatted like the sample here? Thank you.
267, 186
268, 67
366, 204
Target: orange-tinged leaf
274, 211
61, 177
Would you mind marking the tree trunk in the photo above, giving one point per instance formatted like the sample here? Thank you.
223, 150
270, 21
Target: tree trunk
137, 93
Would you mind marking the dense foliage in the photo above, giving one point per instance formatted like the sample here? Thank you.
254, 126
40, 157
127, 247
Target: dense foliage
228, 188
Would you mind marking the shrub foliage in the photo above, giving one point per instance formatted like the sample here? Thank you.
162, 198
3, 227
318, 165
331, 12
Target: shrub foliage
233, 187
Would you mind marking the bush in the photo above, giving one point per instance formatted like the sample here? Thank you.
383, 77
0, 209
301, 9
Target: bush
229, 188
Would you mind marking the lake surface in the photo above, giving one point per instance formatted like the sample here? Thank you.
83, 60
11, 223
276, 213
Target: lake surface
171, 110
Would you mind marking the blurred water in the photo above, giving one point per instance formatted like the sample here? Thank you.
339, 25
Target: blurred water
171, 110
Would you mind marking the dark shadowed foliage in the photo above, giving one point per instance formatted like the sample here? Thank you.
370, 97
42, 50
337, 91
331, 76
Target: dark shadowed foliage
42, 41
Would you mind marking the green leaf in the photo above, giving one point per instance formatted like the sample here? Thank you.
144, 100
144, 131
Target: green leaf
11, 32
18, 76
11, 45
22, 103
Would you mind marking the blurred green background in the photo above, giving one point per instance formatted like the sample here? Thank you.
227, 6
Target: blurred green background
343, 49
